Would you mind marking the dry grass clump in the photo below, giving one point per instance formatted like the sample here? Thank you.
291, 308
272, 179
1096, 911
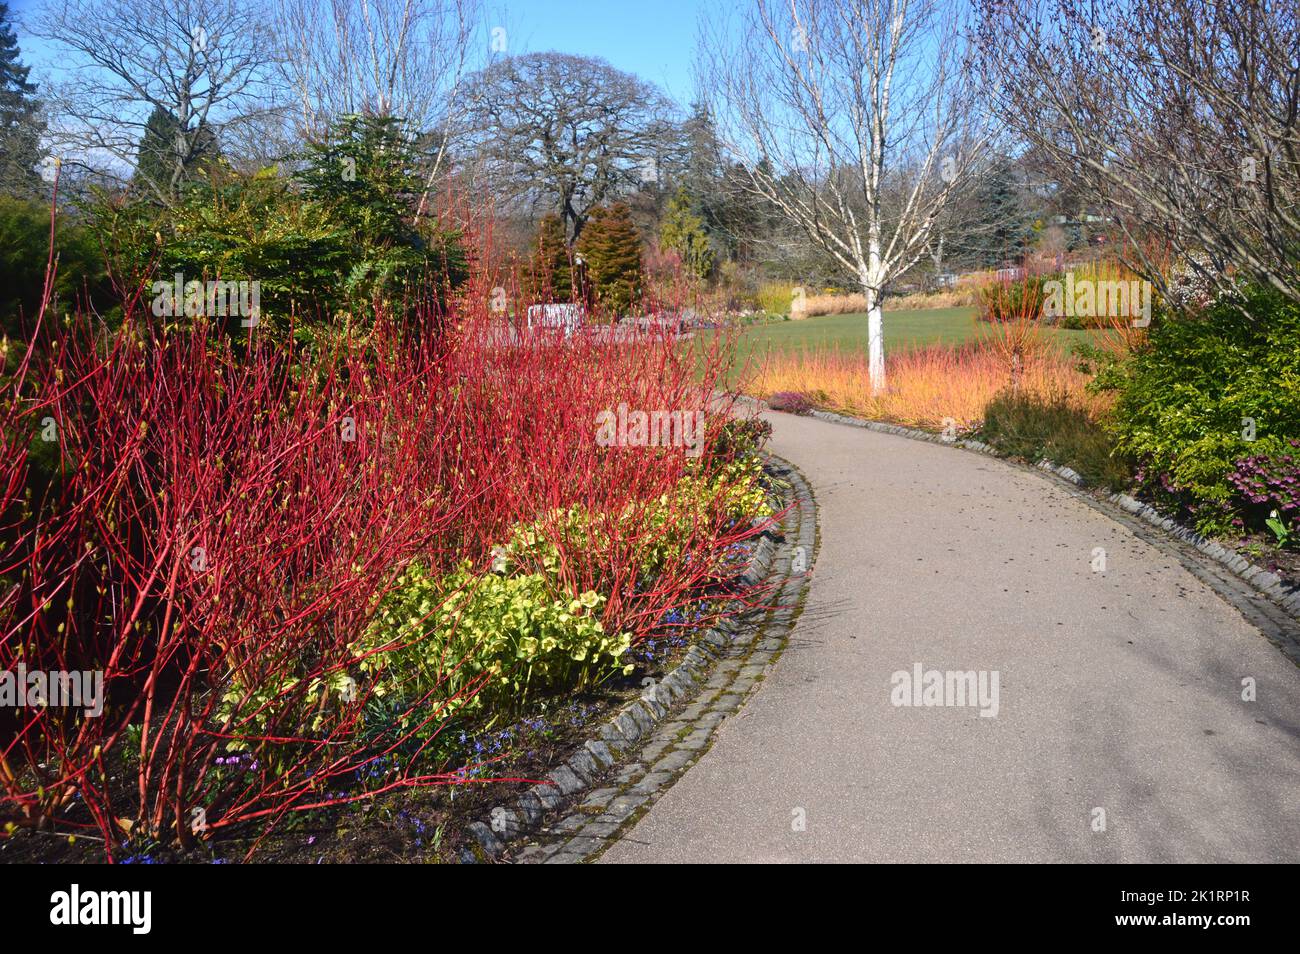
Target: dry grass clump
932, 387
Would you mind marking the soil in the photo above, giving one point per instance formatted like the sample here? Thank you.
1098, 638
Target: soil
1263, 552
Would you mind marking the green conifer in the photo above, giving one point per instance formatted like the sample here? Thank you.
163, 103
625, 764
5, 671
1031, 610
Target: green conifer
551, 272
611, 250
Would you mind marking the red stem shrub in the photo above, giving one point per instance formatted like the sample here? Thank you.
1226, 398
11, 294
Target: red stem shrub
215, 519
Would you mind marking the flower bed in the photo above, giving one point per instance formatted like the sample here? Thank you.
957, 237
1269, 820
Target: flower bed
285, 565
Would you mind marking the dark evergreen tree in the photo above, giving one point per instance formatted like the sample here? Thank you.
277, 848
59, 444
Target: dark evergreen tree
611, 252
169, 157
705, 183
995, 221
20, 124
551, 272
751, 223
365, 175
1009, 230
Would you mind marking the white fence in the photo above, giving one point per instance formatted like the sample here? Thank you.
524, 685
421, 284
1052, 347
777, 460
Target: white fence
566, 318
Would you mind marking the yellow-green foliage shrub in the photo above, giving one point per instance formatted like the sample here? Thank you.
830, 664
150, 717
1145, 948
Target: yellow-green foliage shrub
487, 641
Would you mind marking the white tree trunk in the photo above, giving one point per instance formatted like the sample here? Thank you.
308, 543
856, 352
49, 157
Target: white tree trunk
857, 121
875, 343
872, 278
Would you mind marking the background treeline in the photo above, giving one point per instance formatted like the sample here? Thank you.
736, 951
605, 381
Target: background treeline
231, 151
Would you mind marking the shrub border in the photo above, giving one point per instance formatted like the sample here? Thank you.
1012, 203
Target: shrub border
1266, 583
706, 678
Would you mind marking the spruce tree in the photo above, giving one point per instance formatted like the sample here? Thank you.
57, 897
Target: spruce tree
20, 124
611, 249
1010, 232
365, 177
551, 272
713, 197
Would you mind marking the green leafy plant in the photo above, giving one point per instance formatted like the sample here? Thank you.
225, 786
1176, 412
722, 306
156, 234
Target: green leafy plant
1206, 391
1285, 535
1009, 301
486, 641
24, 252
324, 245
683, 232
251, 706
660, 531
740, 438
775, 298
698, 504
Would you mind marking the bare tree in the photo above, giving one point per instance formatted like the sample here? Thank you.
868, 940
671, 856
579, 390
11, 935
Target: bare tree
853, 118
404, 58
1178, 118
569, 132
192, 66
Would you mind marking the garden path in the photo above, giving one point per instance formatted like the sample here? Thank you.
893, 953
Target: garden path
1118, 691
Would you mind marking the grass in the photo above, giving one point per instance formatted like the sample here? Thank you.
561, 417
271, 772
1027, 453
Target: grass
1058, 426
932, 387
945, 372
903, 330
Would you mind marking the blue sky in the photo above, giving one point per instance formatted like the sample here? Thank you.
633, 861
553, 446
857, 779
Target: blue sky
35, 53
653, 38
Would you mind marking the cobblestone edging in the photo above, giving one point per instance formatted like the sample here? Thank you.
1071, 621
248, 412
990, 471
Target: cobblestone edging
1268, 584
649, 743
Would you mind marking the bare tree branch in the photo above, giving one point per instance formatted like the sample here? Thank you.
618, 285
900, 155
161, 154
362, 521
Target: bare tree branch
404, 58
854, 119
203, 63
1177, 117
569, 132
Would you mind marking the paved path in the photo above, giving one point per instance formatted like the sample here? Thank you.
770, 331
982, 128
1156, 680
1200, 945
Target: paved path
1119, 690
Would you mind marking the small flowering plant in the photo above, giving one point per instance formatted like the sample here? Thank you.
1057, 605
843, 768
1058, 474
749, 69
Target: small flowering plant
1285, 534
1268, 489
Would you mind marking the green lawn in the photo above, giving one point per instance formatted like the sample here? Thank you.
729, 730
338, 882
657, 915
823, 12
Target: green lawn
903, 329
